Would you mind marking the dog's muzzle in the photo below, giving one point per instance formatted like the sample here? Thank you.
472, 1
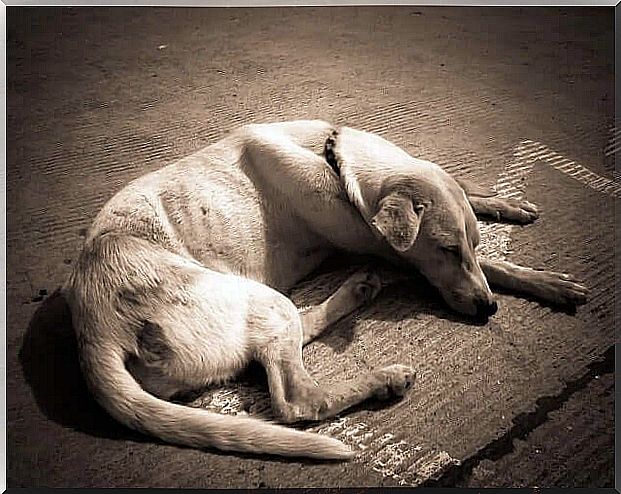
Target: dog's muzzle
329, 155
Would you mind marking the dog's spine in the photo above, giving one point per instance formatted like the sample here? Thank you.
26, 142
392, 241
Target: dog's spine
121, 396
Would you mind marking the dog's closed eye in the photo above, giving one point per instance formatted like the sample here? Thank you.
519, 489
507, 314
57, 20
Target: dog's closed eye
452, 249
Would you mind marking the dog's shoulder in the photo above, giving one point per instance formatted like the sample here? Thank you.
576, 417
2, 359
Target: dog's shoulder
299, 131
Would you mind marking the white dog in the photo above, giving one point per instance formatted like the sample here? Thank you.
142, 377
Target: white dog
180, 282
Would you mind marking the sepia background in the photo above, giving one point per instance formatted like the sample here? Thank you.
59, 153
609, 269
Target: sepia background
518, 99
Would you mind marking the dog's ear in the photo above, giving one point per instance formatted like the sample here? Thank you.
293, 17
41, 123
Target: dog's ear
475, 190
398, 220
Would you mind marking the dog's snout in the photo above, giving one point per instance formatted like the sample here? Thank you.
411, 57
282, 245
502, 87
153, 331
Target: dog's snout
486, 308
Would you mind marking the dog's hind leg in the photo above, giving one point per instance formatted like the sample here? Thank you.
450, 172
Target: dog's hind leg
360, 288
294, 393
306, 400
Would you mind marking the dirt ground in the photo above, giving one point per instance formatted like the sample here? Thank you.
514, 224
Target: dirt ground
514, 98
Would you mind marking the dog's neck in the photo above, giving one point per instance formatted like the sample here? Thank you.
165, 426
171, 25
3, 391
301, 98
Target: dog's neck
328, 152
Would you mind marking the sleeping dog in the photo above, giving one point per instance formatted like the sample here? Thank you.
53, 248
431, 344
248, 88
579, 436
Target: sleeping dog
180, 283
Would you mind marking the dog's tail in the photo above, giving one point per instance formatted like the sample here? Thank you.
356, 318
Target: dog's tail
123, 398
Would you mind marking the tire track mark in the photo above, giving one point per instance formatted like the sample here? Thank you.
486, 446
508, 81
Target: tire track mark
512, 182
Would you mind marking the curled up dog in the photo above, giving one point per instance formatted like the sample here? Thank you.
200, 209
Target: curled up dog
181, 279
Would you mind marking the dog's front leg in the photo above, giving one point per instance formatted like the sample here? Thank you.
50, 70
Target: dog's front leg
548, 286
359, 288
486, 204
502, 209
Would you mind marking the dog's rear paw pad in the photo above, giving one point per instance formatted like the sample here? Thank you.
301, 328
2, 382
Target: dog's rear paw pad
399, 379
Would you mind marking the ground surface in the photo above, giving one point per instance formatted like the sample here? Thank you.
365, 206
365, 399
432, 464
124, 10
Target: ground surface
516, 99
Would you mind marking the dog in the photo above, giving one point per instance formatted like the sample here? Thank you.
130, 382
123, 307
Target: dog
181, 280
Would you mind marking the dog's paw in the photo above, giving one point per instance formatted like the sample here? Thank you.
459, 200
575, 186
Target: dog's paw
396, 381
560, 288
522, 212
363, 286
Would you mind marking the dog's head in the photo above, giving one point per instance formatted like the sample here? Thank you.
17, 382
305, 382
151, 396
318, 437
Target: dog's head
421, 212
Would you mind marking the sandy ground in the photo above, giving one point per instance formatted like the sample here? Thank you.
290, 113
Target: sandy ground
517, 99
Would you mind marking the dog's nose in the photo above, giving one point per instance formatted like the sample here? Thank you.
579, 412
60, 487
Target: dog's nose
486, 309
